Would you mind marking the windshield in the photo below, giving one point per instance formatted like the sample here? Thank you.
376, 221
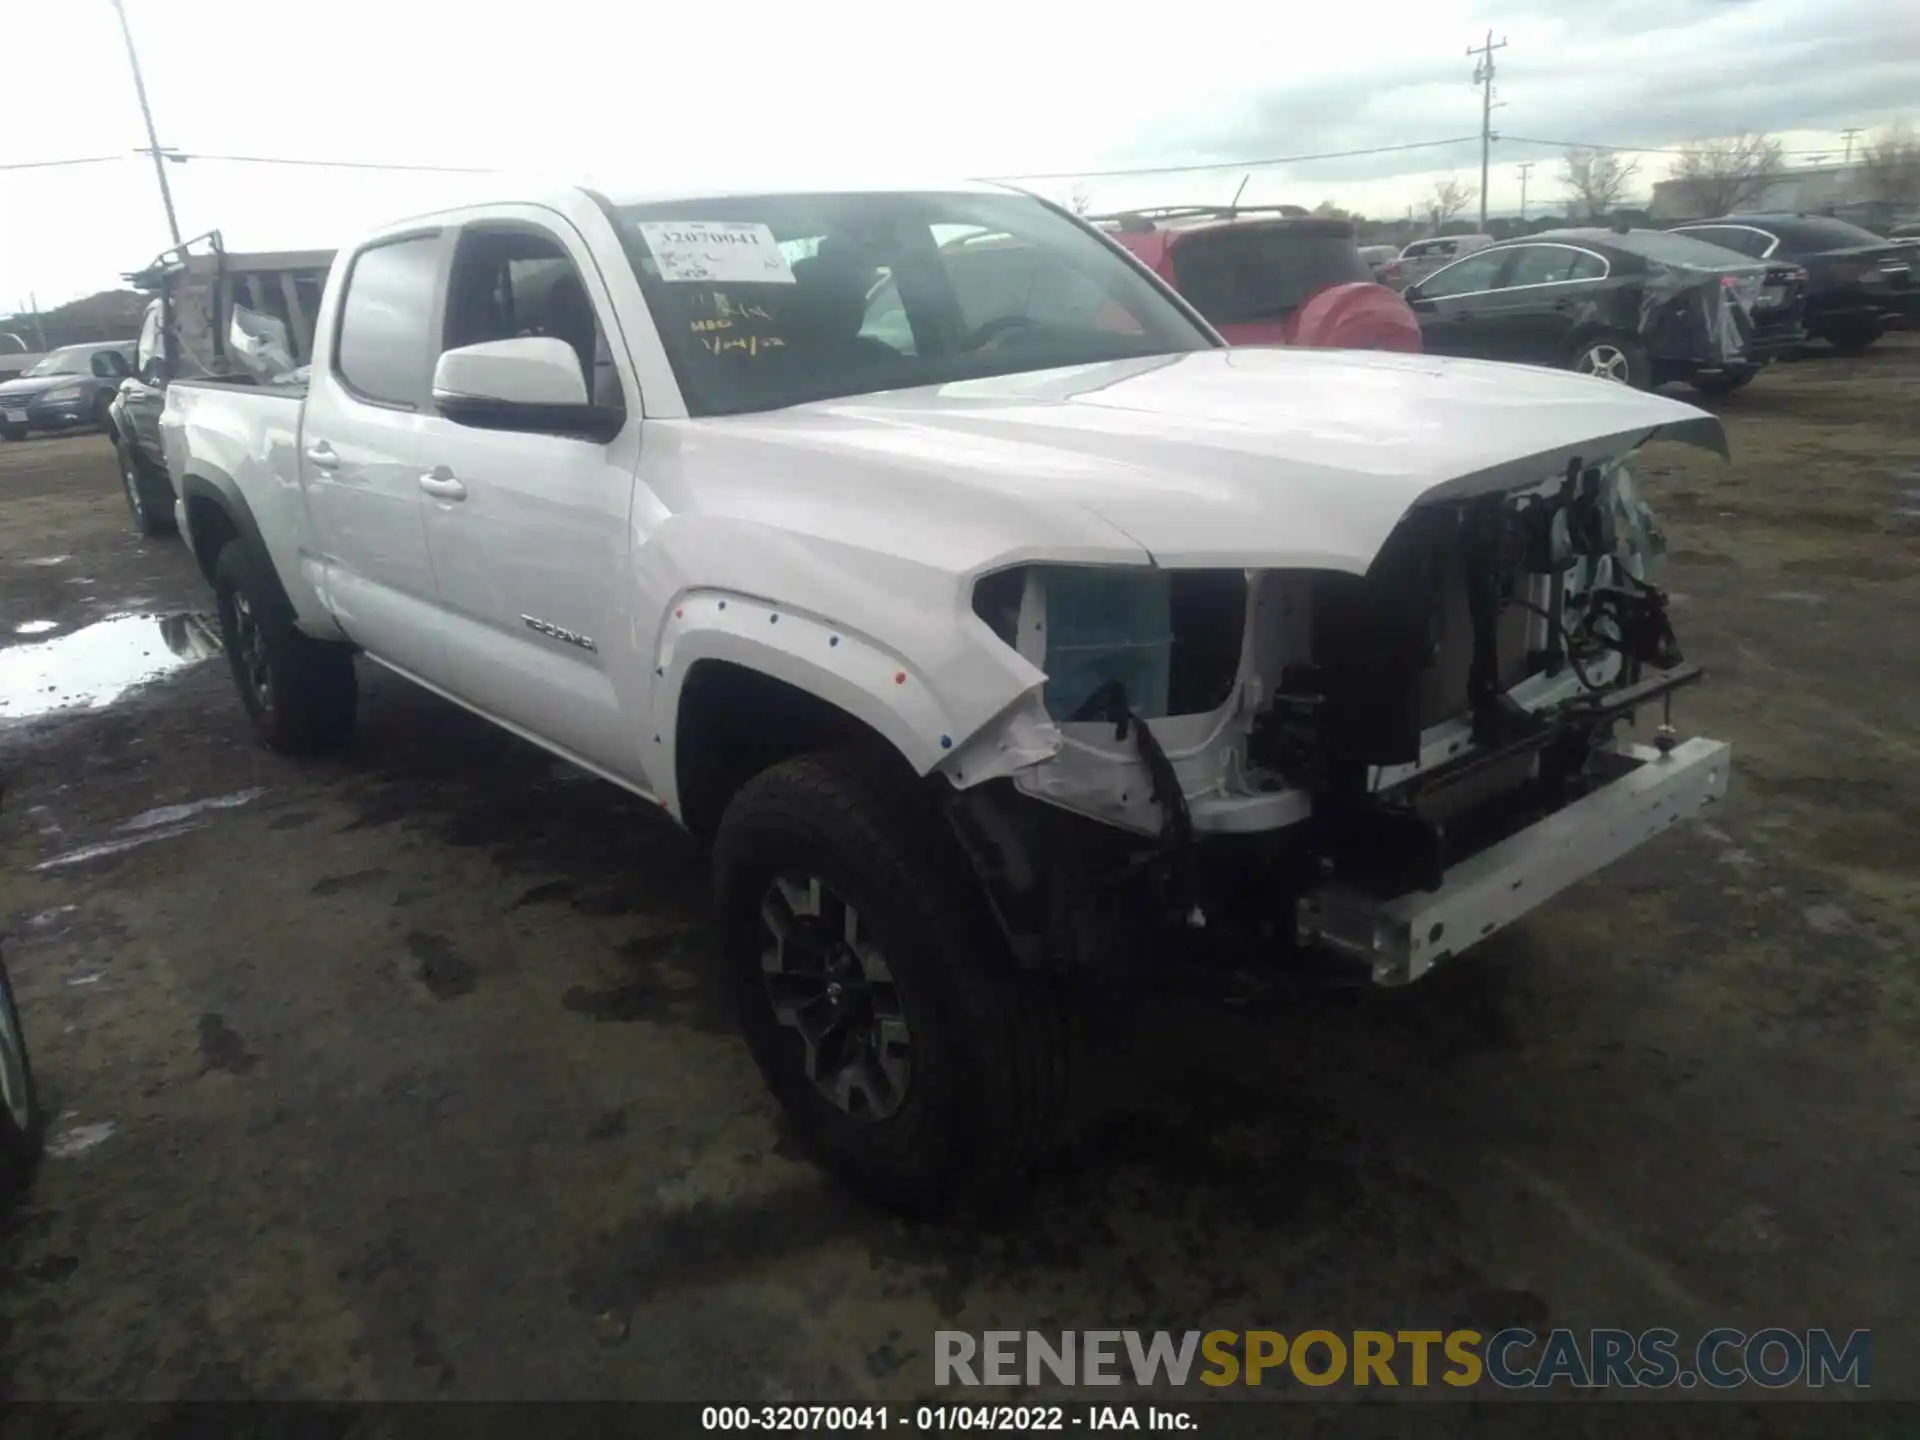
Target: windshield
74, 360
1241, 274
768, 301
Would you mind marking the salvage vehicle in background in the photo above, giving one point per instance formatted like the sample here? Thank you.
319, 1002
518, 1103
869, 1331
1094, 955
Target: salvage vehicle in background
1265, 278
1858, 285
66, 389
1643, 307
243, 318
1422, 257
1059, 642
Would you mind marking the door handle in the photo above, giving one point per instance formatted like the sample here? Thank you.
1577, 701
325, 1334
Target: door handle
323, 456
440, 483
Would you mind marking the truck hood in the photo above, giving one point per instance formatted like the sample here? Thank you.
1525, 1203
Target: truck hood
1239, 458
26, 389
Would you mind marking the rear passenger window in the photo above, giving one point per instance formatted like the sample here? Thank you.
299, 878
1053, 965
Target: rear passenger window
1541, 265
1588, 266
385, 347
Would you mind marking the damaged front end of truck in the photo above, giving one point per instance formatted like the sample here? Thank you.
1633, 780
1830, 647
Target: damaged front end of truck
1348, 773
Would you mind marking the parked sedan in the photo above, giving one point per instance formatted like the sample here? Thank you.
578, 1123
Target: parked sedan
1639, 306
1859, 285
67, 388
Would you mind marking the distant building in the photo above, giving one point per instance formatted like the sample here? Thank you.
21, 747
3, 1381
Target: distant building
1811, 188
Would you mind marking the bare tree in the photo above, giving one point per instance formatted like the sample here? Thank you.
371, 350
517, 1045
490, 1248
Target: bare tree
1718, 176
1450, 196
1891, 160
1596, 179
1327, 210
1080, 201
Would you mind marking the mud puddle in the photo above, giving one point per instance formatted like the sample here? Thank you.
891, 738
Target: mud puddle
96, 664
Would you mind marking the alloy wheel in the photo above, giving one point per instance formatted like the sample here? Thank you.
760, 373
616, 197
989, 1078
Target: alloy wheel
829, 983
250, 652
1609, 362
131, 480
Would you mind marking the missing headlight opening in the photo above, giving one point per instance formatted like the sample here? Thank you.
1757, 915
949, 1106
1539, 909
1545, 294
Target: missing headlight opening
1300, 728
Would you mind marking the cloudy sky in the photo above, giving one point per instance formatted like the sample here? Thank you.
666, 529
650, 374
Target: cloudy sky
650, 94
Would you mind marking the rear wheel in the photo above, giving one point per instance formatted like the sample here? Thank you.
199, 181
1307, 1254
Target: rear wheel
1611, 355
13, 432
299, 692
149, 497
22, 1122
885, 1014
1852, 335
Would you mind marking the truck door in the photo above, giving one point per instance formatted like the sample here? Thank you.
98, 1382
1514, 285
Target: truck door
529, 532
361, 454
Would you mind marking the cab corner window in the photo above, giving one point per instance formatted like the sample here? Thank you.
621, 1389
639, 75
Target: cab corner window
385, 345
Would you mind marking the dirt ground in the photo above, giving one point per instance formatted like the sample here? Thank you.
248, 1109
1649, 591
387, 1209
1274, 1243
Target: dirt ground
396, 1076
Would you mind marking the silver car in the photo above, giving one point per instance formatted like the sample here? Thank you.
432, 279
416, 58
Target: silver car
1423, 257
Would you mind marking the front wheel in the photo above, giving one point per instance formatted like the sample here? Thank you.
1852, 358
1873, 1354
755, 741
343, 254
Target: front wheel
23, 1124
149, 497
299, 692
886, 1015
1852, 335
1613, 356
13, 432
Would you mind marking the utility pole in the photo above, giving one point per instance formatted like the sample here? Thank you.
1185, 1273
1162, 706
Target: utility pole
1483, 77
1525, 166
1848, 135
153, 140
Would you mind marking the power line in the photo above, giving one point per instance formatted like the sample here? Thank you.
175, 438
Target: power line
1626, 149
55, 164
331, 164
1231, 164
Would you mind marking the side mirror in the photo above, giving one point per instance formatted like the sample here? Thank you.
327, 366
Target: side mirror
530, 383
1420, 306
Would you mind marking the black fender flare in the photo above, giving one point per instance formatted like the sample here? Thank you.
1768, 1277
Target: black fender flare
223, 494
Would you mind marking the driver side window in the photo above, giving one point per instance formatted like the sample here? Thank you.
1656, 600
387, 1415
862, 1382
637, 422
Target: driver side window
1466, 277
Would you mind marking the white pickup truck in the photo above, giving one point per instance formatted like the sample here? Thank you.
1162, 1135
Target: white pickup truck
985, 630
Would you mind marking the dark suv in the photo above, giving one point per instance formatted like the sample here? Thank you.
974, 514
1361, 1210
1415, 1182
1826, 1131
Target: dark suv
65, 389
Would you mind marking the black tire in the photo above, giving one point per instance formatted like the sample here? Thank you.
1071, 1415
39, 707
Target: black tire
149, 496
1852, 335
103, 413
13, 432
299, 692
1612, 355
985, 1094
1723, 382
23, 1124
